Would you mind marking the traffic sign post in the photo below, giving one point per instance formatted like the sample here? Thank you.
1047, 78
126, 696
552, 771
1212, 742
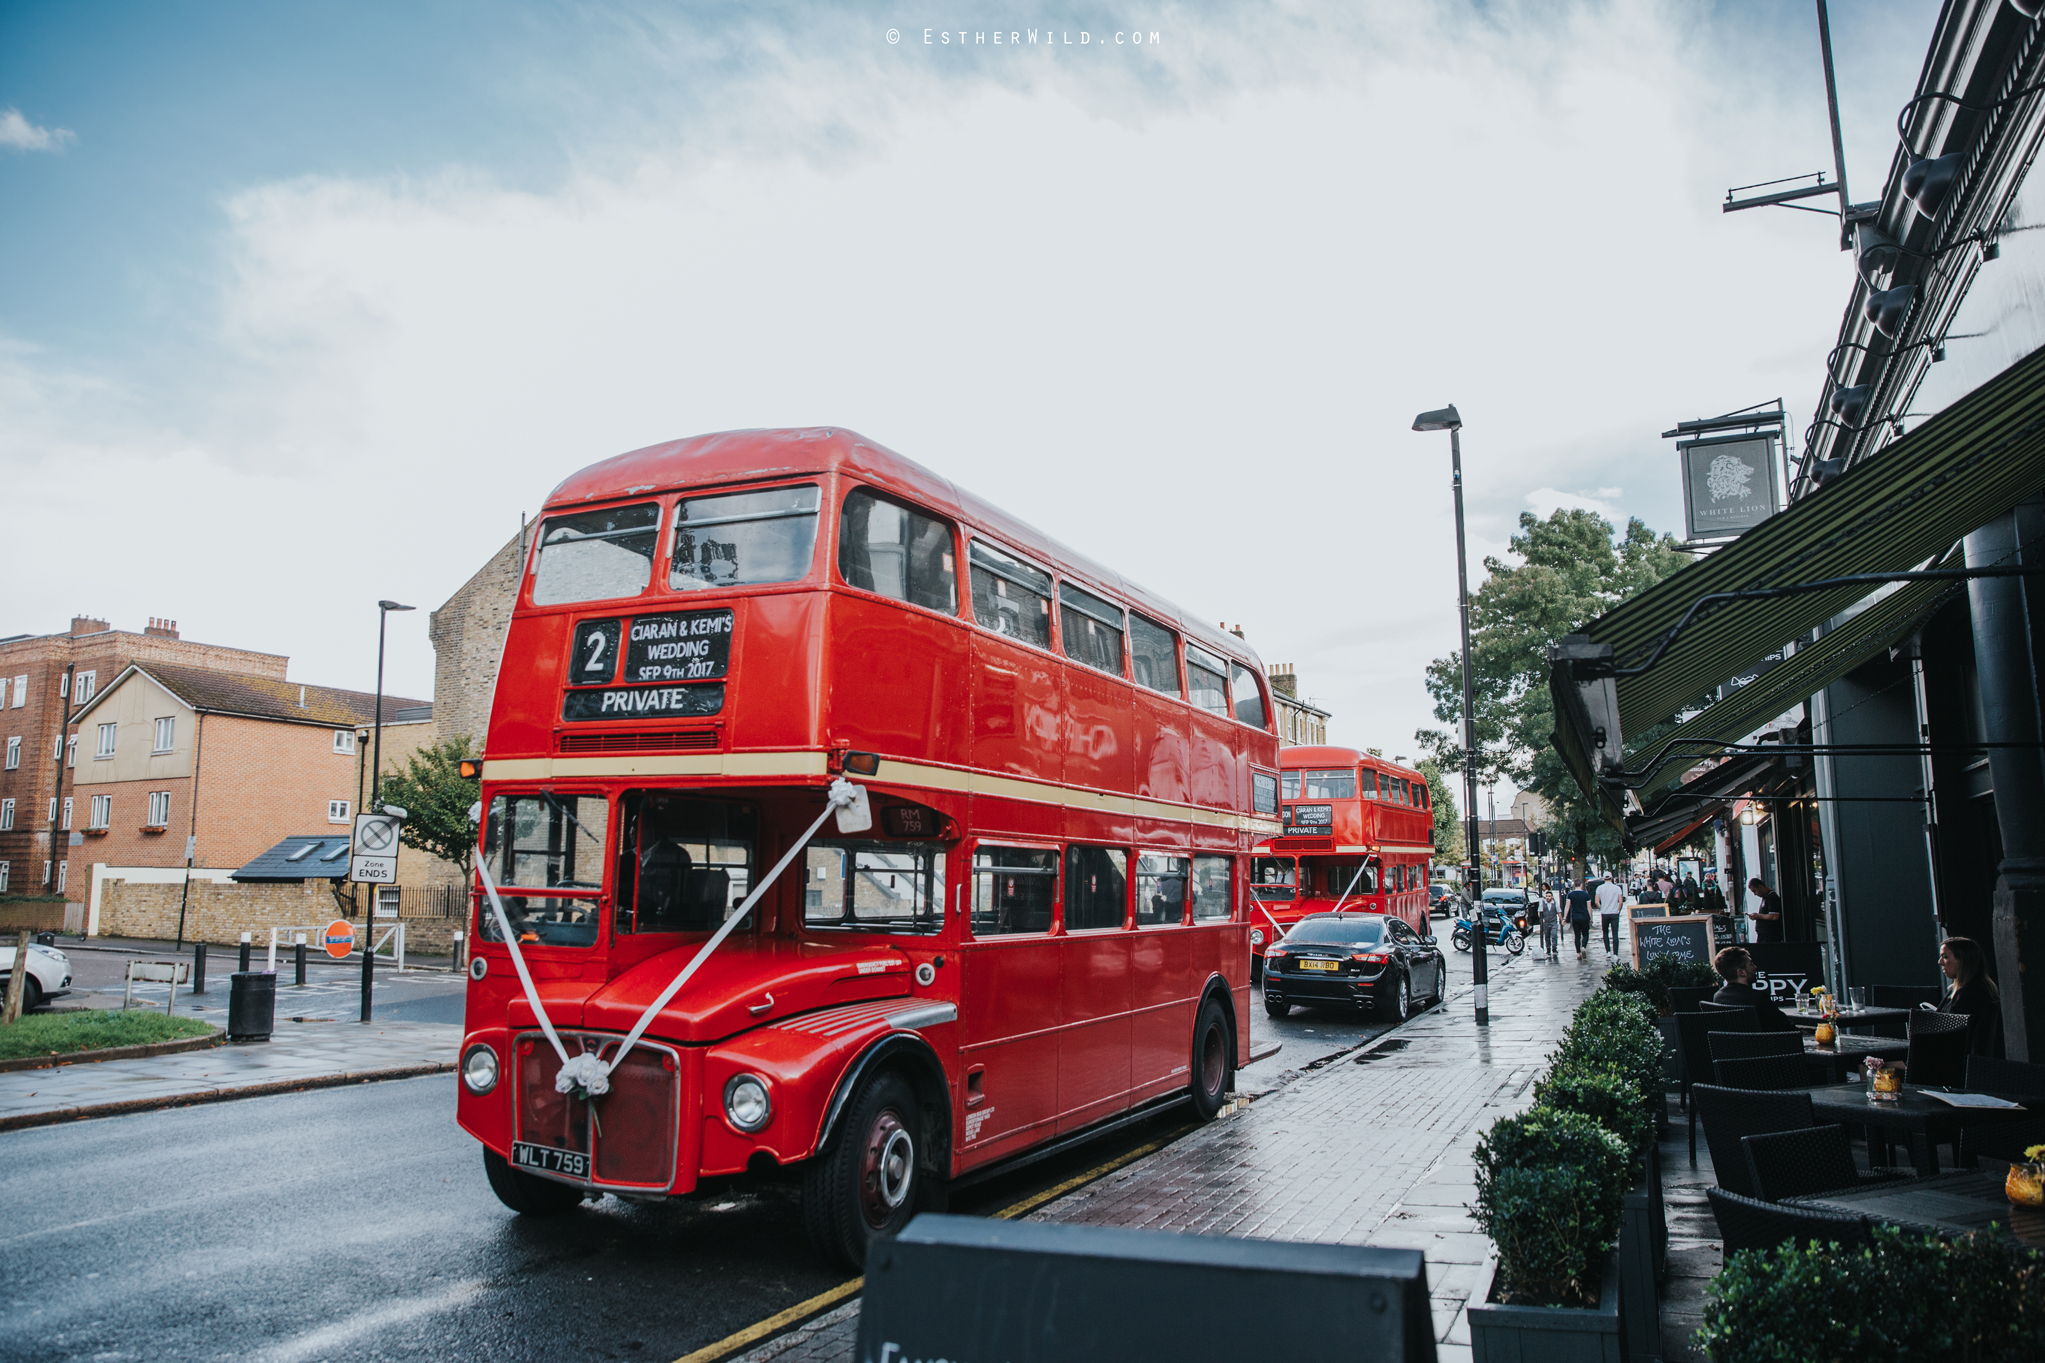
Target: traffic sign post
373, 857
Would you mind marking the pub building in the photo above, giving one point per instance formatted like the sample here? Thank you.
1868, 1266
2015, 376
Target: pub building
1847, 693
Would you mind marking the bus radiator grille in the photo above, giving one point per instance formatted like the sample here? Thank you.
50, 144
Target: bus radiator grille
669, 740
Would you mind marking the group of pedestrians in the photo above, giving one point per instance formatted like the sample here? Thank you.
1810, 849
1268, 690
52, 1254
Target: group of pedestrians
1573, 904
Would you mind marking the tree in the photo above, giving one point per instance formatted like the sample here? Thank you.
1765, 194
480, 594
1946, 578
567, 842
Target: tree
1448, 825
1571, 570
436, 798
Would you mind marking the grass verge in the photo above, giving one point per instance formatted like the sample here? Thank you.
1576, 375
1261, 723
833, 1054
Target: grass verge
64, 1033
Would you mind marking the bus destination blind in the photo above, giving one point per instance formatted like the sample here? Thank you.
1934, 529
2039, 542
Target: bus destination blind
649, 667
1309, 820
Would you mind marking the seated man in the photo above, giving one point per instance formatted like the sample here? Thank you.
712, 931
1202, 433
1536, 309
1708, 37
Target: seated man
1737, 968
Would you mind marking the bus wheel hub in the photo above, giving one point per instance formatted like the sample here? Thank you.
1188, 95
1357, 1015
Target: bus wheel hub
888, 1168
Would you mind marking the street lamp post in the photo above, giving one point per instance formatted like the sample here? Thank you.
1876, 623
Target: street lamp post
1448, 419
383, 615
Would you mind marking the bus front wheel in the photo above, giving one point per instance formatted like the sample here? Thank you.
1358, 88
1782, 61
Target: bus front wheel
867, 1186
528, 1194
1214, 1056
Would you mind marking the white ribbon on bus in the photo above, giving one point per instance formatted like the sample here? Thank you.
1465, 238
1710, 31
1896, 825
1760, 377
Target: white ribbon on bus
586, 1071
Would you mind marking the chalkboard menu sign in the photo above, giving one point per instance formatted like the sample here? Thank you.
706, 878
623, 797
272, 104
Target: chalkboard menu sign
1688, 938
1650, 911
1309, 819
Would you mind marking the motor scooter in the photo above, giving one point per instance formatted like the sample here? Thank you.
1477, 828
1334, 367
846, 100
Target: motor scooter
1497, 932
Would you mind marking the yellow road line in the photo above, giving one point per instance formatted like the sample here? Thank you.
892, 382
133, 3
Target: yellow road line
781, 1320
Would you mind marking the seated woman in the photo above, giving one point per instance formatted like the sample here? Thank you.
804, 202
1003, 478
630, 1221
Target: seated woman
1973, 994
1736, 967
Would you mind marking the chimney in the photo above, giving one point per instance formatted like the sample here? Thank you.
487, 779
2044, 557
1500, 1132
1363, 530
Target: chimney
162, 629
85, 624
1283, 680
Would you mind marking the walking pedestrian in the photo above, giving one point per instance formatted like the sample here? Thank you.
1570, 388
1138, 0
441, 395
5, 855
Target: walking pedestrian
1611, 900
1551, 924
1580, 917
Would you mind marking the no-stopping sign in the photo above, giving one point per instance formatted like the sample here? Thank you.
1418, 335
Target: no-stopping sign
373, 858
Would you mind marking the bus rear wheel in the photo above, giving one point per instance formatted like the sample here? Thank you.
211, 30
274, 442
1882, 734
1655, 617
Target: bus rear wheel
1214, 1060
867, 1187
528, 1194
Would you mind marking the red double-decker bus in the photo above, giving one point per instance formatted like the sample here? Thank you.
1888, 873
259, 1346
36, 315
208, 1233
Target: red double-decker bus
1043, 930
1356, 833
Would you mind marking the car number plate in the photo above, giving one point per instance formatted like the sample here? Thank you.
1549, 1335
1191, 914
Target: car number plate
546, 1159
1311, 964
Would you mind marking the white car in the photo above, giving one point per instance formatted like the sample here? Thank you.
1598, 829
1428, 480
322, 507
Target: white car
48, 975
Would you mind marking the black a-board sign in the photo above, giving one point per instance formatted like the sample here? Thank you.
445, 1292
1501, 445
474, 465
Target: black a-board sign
1687, 938
1787, 969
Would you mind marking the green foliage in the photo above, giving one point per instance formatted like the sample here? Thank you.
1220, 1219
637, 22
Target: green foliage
1570, 571
1624, 979
1980, 1298
1605, 1092
1614, 1029
1448, 824
436, 798
1550, 1189
1678, 972
96, 1029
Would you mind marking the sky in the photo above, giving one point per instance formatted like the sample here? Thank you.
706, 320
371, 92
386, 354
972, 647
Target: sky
305, 305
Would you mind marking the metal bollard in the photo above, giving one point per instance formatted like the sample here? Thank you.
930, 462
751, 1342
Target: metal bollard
198, 967
245, 953
298, 952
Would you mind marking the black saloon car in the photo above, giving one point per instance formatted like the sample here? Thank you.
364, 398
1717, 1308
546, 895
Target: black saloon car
1368, 960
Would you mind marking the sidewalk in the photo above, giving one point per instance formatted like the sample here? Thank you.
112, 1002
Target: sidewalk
1372, 1149
298, 1055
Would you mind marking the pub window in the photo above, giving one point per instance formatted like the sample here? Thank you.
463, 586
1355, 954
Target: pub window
1096, 887
596, 555
1153, 655
888, 548
1206, 680
1211, 897
1263, 792
1249, 698
684, 864
1161, 885
1090, 628
874, 886
744, 539
1009, 596
1012, 890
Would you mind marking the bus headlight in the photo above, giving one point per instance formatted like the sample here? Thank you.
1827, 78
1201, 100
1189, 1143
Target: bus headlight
746, 1102
1256, 937
479, 1069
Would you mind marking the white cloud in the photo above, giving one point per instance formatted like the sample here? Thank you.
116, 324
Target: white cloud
20, 134
1544, 501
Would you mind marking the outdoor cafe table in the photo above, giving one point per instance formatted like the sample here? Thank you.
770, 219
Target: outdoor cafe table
1847, 1052
1927, 1121
1848, 1018
1948, 1204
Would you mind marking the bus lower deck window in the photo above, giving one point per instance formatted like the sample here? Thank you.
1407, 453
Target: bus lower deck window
1161, 888
684, 863
1013, 889
873, 886
1270, 877
1211, 882
1096, 888
744, 539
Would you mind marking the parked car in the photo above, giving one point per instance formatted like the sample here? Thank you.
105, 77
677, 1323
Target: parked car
48, 974
1368, 960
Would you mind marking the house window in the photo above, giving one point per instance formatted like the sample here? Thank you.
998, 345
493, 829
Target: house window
6, 815
21, 690
62, 867
102, 811
387, 900
88, 682
166, 733
67, 811
344, 740
71, 751
106, 740
13, 752
3, 693
337, 811
46, 873
159, 808
5, 868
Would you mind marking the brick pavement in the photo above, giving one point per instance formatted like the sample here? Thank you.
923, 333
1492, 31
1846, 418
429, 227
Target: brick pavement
1372, 1149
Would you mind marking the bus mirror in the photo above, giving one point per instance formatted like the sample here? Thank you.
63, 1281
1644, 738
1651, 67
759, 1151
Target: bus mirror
856, 817
862, 763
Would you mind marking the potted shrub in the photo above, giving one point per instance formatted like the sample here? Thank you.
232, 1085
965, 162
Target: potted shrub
1550, 1186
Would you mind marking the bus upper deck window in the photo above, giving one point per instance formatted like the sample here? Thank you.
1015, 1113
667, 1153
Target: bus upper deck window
1091, 628
744, 539
596, 555
1370, 784
1154, 655
1249, 698
888, 548
1336, 784
1009, 596
1207, 680
1291, 783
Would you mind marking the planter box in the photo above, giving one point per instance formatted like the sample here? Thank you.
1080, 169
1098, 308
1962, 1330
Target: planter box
1643, 1261
1547, 1334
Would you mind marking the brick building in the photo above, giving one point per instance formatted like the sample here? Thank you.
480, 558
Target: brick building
33, 695
468, 644
1301, 723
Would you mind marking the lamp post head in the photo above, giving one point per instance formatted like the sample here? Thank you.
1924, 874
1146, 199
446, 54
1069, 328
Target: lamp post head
1447, 419
393, 606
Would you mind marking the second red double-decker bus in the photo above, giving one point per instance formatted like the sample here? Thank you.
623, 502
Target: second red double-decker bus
1042, 928
1356, 834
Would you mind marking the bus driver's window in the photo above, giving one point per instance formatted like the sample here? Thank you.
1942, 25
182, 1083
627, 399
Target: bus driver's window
1013, 888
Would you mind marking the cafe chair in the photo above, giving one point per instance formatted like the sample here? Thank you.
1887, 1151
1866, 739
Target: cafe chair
1938, 1049
1694, 1051
1725, 1009
1765, 1071
2011, 1078
1746, 1223
1686, 997
1747, 1045
1799, 1163
1998, 1140
1729, 1114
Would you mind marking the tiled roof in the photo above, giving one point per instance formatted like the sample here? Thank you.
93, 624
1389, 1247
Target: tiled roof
300, 858
236, 693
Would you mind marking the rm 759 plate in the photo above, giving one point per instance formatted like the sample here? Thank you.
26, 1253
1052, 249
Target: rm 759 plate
545, 1159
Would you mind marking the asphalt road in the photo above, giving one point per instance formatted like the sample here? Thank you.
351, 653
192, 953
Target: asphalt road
333, 989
